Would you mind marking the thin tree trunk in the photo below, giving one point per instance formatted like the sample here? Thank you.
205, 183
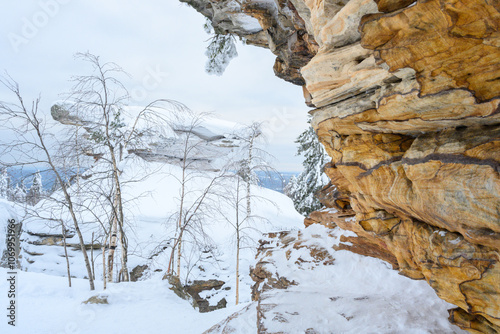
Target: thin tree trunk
249, 176
171, 261
92, 257
183, 194
77, 163
112, 247
237, 241
66, 253
179, 245
172, 254
124, 247
249, 208
104, 264
237, 267
119, 212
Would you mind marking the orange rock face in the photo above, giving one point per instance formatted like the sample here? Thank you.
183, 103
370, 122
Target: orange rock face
408, 107
413, 130
450, 44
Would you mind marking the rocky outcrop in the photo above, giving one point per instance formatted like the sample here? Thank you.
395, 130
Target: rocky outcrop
204, 304
138, 272
193, 291
410, 119
40, 242
166, 143
99, 299
276, 25
205, 147
407, 97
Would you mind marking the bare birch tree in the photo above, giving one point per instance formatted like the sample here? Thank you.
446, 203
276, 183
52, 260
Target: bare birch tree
98, 102
194, 200
254, 159
94, 108
245, 226
251, 162
239, 195
32, 145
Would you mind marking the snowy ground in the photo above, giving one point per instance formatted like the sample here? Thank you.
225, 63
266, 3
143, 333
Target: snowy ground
48, 306
356, 294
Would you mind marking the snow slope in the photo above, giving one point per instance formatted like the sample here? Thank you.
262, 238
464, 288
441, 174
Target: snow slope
47, 305
355, 294
152, 200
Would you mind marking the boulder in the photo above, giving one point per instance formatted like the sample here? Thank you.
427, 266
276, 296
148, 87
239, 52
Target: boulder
192, 292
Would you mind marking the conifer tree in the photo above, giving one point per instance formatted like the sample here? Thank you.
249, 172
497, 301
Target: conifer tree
36, 189
20, 193
302, 189
220, 51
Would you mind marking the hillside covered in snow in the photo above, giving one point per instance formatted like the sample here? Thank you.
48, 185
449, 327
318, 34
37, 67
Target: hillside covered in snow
166, 230
281, 282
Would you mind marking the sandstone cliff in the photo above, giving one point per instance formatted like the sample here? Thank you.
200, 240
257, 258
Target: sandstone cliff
407, 104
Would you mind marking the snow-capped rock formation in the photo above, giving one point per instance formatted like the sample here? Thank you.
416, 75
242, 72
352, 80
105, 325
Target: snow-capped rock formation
407, 97
207, 137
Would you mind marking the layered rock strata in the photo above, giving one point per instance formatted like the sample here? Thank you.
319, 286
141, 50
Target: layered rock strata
407, 98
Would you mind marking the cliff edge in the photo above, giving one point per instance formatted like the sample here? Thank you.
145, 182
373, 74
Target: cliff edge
406, 96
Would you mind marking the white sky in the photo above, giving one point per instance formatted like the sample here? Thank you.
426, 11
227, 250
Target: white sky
39, 38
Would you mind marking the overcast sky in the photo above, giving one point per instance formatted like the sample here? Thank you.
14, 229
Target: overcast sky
161, 44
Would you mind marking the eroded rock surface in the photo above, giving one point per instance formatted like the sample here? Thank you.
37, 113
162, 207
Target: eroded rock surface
408, 107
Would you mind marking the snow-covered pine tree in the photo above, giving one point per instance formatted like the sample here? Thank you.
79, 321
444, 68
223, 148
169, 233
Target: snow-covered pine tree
4, 184
36, 189
290, 188
220, 51
20, 193
301, 189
